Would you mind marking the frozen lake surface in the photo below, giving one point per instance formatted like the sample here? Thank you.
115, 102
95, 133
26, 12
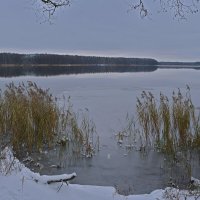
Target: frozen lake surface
109, 97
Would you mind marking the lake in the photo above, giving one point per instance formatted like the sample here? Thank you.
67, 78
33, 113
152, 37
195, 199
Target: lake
109, 97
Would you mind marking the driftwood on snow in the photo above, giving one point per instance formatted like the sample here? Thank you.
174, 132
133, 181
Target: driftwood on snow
61, 180
54, 179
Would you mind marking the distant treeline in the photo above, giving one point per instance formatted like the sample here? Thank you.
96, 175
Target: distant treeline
53, 59
180, 63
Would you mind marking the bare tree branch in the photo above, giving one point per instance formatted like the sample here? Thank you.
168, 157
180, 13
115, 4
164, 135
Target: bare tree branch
141, 7
49, 7
179, 8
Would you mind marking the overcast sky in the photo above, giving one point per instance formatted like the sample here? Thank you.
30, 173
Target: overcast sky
99, 27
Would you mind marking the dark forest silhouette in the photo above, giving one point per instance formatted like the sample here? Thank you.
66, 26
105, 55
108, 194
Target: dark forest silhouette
53, 59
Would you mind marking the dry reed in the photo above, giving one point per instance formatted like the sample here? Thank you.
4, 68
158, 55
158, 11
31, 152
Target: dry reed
170, 125
32, 120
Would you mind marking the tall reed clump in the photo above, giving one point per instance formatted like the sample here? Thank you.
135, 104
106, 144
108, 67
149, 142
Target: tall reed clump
31, 120
29, 116
171, 125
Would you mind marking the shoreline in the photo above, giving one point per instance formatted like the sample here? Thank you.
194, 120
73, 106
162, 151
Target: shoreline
74, 65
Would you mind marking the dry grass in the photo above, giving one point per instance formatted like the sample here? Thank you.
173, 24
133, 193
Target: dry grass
171, 125
77, 132
29, 116
31, 120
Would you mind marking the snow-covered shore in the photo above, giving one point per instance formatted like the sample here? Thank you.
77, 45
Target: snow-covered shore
19, 183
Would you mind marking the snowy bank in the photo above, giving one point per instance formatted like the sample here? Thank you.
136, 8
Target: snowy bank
19, 183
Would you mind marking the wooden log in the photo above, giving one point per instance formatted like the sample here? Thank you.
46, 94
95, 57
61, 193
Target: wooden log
45, 179
62, 180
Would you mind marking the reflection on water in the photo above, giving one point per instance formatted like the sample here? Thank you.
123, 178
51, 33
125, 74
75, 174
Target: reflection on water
13, 71
58, 70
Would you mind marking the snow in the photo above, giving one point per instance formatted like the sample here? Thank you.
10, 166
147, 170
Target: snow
19, 183
21, 187
196, 182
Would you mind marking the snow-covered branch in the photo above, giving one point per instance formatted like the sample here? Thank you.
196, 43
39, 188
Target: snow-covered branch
54, 178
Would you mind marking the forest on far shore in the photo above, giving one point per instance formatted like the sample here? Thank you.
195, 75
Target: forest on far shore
54, 59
